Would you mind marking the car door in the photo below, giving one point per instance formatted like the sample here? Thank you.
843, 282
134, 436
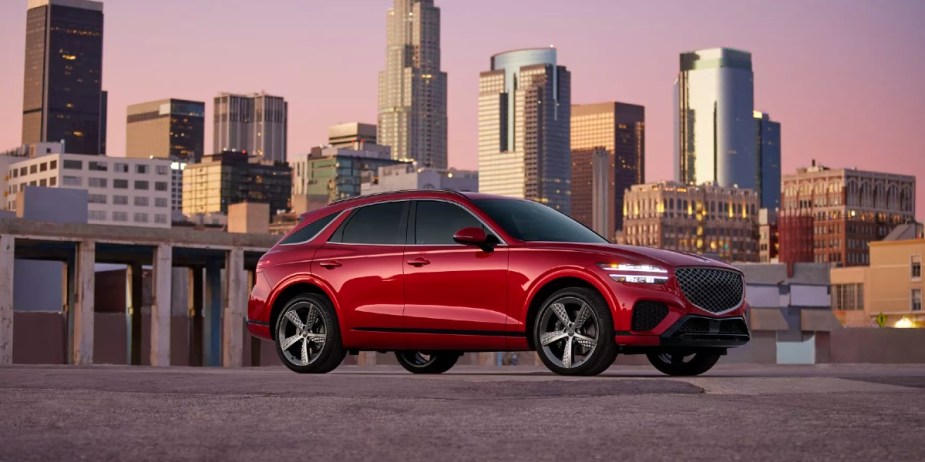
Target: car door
363, 263
455, 295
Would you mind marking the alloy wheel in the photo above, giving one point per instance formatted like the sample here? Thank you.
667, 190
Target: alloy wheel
302, 333
569, 332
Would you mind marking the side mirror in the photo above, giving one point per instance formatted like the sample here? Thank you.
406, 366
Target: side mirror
476, 237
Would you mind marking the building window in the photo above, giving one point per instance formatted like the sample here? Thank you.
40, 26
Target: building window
141, 185
53, 181
916, 267
120, 184
141, 169
71, 181
96, 198
33, 169
141, 217
97, 182
43, 167
160, 185
120, 200
120, 167
141, 201
43, 182
97, 166
848, 297
97, 215
72, 164
53, 164
160, 202
916, 299
162, 169
119, 216
160, 218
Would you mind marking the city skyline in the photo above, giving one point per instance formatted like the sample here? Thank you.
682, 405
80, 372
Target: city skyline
836, 110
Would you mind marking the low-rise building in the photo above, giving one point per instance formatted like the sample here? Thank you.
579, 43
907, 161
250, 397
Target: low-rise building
408, 176
121, 191
327, 173
768, 244
233, 177
709, 220
890, 286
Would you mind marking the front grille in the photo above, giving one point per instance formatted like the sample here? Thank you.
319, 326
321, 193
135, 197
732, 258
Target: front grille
733, 326
695, 326
647, 315
714, 290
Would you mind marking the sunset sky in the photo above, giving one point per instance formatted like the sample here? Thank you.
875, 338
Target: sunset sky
846, 79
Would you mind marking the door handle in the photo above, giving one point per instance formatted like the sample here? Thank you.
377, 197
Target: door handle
330, 264
419, 262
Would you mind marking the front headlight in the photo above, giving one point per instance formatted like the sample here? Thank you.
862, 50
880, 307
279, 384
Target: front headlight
635, 274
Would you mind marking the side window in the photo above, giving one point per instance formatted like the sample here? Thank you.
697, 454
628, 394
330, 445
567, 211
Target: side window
375, 224
436, 222
309, 231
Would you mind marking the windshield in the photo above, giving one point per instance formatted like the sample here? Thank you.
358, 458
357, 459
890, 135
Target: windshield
532, 221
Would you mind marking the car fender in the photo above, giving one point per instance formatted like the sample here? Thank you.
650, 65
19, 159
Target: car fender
305, 278
576, 272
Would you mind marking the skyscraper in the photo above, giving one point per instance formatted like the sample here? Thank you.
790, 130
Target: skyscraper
618, 131
167, 129
412, 88
524, 127
62, 92
256, 124
714, 128
767, 152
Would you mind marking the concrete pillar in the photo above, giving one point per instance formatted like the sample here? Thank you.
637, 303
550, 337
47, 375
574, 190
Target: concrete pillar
195, 313
85, 276
212, 334
134, 297
233, 312
160, 305
7, 250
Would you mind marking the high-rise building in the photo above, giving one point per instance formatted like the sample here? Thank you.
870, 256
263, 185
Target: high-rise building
256, 124
62, 93
354, 135
412, 88
767, 152
327, 174
166, 129
708, 220
616, 130
831, 215
524, 127
232, 177
714, 128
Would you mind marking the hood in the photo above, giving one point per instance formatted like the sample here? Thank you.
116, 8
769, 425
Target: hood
667, 258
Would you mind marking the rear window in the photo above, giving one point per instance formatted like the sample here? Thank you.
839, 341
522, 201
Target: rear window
309, 231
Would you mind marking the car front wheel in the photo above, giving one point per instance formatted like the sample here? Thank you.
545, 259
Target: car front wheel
573, 333
684, 364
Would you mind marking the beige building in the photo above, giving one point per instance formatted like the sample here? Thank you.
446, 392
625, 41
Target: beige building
892, 285
707, 219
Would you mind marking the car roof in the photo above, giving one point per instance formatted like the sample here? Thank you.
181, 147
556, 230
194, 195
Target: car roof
400, 195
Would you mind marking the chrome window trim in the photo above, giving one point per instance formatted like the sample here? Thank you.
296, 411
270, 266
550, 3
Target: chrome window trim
336, 216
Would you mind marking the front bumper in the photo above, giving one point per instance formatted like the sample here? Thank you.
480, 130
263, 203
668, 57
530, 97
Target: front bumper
704, 332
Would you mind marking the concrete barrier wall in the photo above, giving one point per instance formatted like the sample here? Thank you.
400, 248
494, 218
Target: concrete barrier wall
875, 345
39, 337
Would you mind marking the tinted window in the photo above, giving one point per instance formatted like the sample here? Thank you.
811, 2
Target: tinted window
375, 224
531, 221
309, 231
436, 222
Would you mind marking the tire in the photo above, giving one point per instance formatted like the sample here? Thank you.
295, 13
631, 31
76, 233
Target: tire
678, 364
320, 343
591, 344
418, 362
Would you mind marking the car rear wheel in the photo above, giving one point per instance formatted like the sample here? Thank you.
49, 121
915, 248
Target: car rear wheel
307, 335
419, 362
684, 364
573, 333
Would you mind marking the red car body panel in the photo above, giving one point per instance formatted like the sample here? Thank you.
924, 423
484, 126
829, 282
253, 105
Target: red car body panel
391, 297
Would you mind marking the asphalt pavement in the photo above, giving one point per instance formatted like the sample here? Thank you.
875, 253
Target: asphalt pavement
735, 412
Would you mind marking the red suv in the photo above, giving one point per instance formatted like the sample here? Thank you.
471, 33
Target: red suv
432, 274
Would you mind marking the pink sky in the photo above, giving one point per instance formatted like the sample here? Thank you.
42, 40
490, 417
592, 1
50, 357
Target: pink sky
844, 78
